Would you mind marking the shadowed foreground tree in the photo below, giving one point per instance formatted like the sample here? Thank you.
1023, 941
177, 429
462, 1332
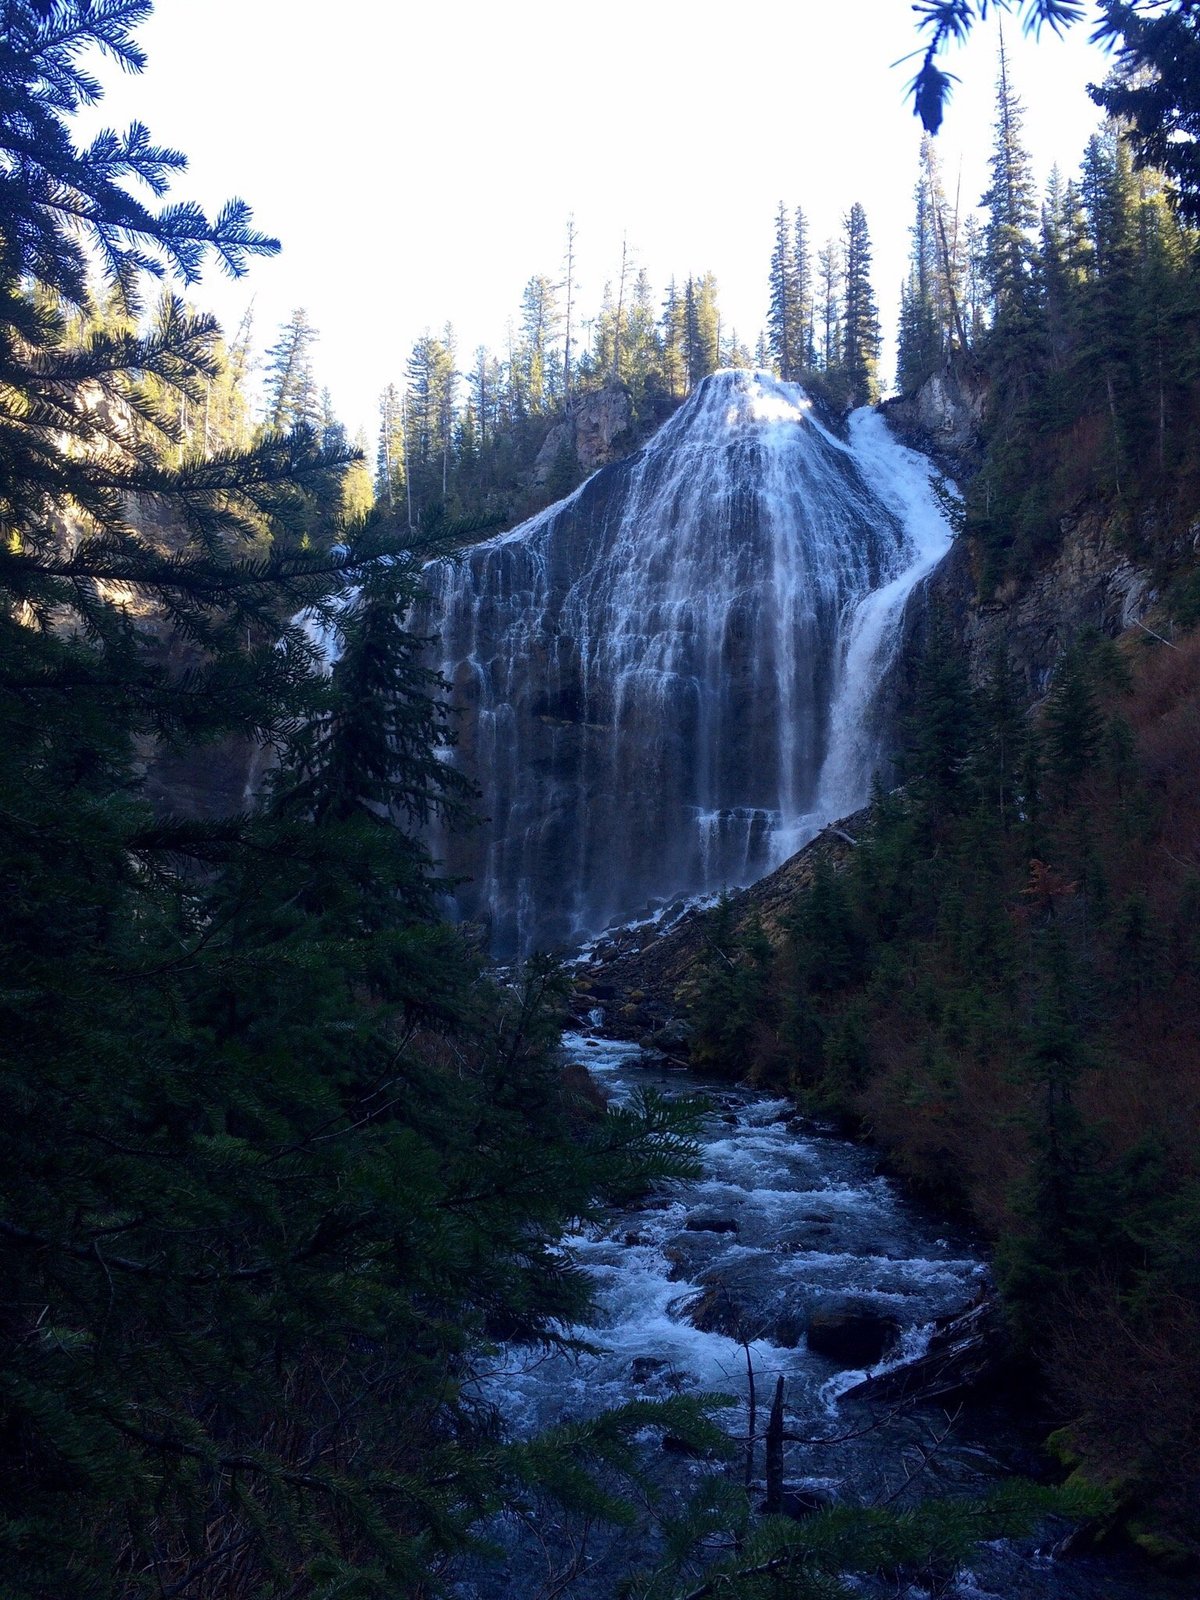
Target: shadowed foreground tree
277, 1162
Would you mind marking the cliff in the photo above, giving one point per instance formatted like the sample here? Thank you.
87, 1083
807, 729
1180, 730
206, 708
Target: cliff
1102, 573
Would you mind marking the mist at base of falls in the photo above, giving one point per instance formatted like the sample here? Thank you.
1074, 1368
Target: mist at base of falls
668, 682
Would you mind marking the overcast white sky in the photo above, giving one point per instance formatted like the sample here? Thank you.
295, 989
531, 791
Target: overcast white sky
419, 160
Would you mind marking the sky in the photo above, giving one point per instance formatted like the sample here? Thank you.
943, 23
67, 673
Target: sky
419, 160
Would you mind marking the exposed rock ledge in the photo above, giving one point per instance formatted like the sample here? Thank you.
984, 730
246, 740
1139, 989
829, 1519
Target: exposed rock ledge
1090, 583
636, 974
590, 433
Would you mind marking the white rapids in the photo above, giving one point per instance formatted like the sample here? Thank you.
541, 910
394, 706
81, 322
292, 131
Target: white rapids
815, 1224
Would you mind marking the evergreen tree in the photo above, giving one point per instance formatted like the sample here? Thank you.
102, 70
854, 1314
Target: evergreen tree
643, 346
701, 324
861, 335
1155, 92
942, 724
784, 316
540, 323
390, 453
831, 274
569, 287
487, 382
1012, 207
276, 1160
930, 317
1065, 260
805, 304
291, 391
429, 419
673, 339
358, 492
1072, 724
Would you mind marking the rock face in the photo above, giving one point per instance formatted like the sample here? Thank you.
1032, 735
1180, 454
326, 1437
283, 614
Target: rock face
944, 418
646, 673
1091, 583
640, 987
596, 423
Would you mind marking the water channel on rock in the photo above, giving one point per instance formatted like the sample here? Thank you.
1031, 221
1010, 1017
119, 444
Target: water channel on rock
789, 1225
669, 681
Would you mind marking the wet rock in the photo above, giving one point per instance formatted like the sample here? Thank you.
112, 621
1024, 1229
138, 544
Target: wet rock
851, 1333
716, 1311
788, 1332
633, 1239
643, 1368
673, 1040
676, 1446
966, 1353
678, 1263
712, 1225
655, 1370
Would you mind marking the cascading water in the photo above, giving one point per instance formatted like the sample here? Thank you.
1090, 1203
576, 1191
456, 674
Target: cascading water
665, 680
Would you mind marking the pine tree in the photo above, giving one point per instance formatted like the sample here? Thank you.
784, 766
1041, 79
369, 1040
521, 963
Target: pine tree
643, 346
1072, 724
358, 490
428, 419
1064, 263
276, 1162
389, 456
569, 287
673, 338
701, 328
1155, 95
942, 725
540, 323
784, 319
929, 300
805, 305
291, 390
1012, 207
861, 335
486, 381
831, 275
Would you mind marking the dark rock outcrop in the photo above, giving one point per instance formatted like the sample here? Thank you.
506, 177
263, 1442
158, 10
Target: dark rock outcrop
660, 973
965, 1354
851, 1333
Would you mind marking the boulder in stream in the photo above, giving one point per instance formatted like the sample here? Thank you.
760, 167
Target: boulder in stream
674, 1039
716, 1311
851, 1333
965, 1353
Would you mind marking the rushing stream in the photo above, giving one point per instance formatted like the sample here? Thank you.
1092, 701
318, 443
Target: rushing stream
787, 1223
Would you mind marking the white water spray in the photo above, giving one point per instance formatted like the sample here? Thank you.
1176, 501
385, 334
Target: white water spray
666, 680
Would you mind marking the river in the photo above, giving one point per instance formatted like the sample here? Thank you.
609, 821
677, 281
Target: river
789, 1225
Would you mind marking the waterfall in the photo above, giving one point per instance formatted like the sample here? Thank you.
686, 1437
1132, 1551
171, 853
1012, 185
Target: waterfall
665, 681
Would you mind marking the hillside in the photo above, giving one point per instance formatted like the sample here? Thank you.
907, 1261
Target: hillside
998, 982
